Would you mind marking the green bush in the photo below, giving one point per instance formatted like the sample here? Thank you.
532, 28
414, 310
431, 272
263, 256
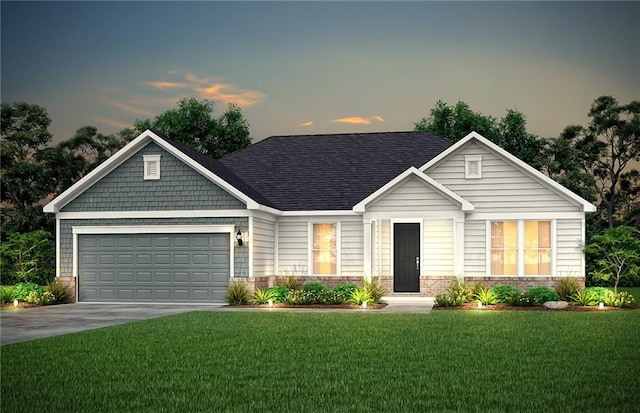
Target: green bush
566, 287
503, 292
262, 296
585, 298
28, 257
237, 293
345, 290
623, 299
22, 290
598, 293
300, 297
360, 296
314, 287
478, 287
330, 297
542, 294
280, 293
486, 296
41, 298
6, 294
290, 283
521, 299
59, 291
374, 290
446, 299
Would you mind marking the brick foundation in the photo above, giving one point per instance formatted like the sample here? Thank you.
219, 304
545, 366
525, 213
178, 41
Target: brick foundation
273, 280
70, 283
431, 286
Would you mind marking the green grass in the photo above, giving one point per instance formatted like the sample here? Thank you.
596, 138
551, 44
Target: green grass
329, 362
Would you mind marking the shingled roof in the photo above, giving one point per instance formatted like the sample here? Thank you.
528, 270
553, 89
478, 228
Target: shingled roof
326, 172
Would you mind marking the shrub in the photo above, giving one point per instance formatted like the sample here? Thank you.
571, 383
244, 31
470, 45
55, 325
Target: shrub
21, 290
446, 299
584, 298
28, 257
360, 296
280, 293
478, 287
262, 296
521, 299
330, 297
374, 290
599, 293
486, 296
542, 294
59, 291
6, 294
345, 290
41, 298
314, 287
622, 299
459, 288
237, 293
567, 287
290, 283
503, 292
299, 297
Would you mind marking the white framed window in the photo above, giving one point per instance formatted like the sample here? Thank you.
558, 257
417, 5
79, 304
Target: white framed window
520, 247
473, 166
151, 166
324, 254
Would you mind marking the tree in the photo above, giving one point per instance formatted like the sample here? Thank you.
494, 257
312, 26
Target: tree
616, 253
510, 133
194, 125
28, 257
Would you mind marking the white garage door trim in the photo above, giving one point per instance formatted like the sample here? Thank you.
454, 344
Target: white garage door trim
154, 229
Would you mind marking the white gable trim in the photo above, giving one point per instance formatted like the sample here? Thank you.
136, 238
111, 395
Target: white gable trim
362, 205
539, 176
127, 152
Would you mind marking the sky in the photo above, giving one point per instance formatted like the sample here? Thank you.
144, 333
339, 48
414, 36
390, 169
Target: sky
318, 67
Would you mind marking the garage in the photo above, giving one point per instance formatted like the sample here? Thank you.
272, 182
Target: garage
153, 268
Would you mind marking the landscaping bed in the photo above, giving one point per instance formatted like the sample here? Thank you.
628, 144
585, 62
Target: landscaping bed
505, 307
376, 306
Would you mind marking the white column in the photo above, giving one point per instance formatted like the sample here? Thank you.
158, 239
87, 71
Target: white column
367, 248
458, 249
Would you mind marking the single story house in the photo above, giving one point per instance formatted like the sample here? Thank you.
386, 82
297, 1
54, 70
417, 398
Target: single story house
160, 222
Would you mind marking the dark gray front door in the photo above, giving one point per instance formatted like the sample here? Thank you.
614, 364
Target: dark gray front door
406, 258
179, 268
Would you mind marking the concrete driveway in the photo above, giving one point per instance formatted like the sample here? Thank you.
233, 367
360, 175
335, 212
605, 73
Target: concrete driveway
32, 323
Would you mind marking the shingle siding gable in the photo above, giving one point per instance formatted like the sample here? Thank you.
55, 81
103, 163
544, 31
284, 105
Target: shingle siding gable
179, 188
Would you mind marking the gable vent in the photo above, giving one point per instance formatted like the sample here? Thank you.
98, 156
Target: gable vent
473, 166
151, 166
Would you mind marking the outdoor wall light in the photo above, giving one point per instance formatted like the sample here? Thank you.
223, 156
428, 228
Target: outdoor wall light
239, 237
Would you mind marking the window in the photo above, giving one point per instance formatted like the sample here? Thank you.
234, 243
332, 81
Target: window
151, 166
521, 248
324, 249
473, 166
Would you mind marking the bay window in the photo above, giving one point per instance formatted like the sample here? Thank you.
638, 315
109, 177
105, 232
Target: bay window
520, 247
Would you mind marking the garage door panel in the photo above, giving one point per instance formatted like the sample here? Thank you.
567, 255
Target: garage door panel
153, 268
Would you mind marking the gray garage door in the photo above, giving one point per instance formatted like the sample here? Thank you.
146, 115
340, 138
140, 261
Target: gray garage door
153, 267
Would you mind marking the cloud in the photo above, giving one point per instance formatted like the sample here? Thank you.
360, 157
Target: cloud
111, 122
208, 87
378, 118
128, 108
306, 123
164, 85
353, 120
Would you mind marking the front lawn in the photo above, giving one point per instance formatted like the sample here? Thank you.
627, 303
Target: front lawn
277, 361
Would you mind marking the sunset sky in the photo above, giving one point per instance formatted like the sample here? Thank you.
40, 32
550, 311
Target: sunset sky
326, 67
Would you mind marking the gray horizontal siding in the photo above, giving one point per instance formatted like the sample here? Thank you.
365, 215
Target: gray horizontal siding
292, 247
437, 258
413, 195
502, 188
569, 247
475, 248
179, 188
352, 248
264, 240
241, 254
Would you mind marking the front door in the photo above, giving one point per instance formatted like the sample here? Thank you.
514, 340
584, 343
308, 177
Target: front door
406, 258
